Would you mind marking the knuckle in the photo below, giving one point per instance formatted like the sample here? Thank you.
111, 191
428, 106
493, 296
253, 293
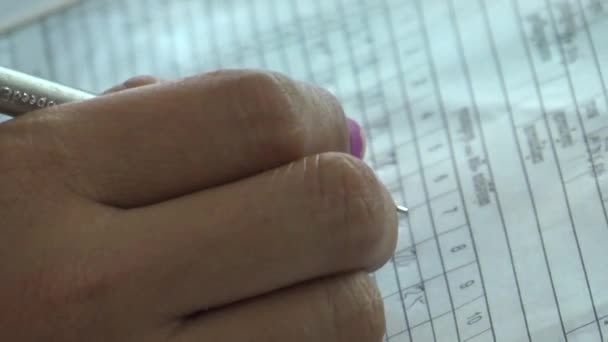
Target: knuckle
354, 194
328, 102
356, 309
269, 109
335, 135
272, 93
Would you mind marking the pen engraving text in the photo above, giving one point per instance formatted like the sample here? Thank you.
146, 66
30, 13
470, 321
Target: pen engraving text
15, 96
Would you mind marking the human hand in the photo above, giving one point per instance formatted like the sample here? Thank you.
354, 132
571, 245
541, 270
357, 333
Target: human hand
222, 207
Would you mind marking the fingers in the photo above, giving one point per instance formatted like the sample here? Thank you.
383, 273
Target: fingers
142, 146
315, 217
340, 309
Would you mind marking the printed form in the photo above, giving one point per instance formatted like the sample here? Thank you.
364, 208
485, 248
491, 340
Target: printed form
488, 118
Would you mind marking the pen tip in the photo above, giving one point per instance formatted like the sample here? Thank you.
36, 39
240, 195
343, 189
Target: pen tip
402, 209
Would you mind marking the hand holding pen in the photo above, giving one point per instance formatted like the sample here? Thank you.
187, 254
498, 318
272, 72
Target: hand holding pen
229, 206
21, 93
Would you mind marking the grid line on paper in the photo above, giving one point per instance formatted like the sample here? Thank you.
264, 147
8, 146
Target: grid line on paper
362, 106
541, 100
192, 29
149, 23
49, 57
596, 130
196, 53
305, 53
445, 232
88, 39
476, 335
431, 278
407, 105
11, 50
586, 142
468, 302
473, 98
214, 46
426, 194
281, 48
105, 9
233, 31
321, 17
402, 192
85, 11
393, 262
586, 325
422, 136
507, 96
169, 28
391, 32
583, 326
417, 170
10, 55
594, 53
425, 38
287, 60
578, 114
424, 204
362, 101
310, 74
254, 22
130, 37
61, 28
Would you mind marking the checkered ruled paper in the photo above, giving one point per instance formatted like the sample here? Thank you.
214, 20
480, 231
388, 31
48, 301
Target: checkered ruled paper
488, 118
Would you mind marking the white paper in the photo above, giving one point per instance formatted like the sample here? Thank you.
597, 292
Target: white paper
489, 119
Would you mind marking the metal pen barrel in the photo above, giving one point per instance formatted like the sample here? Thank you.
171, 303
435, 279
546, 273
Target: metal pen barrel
21, 93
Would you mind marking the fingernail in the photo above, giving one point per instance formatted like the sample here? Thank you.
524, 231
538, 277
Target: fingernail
357, 141
138, 81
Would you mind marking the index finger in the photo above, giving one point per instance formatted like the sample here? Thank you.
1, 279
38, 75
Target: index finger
144, 145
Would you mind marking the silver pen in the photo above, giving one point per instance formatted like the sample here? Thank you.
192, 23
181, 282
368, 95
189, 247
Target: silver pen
21, 93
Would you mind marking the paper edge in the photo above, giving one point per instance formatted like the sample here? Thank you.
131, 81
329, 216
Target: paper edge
31, 15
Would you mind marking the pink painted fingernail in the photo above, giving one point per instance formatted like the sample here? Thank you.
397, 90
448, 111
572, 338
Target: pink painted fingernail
357, 141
